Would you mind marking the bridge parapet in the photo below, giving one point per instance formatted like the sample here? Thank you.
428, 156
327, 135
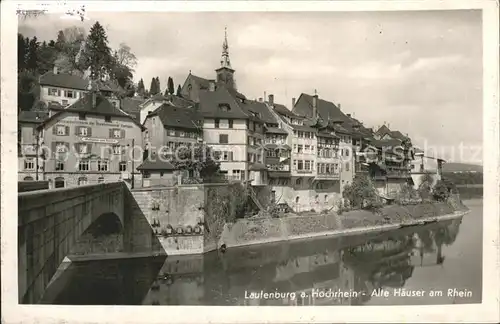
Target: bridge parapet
49, 223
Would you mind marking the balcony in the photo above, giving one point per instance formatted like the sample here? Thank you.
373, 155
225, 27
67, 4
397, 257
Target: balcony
328, 176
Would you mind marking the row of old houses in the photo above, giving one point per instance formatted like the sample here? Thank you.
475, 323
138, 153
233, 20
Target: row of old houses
302, 155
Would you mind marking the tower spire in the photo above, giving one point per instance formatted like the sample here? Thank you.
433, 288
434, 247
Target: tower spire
225, 62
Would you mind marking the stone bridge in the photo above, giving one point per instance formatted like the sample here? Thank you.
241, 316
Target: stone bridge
50, 223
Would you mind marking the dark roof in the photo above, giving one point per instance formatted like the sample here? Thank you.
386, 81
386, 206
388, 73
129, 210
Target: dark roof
171, 116
282, 110
262, 110
389, 143
304, 127
204, 84
84, 105
211, 102
326, 110
383, 130
64, 80
276, 130
36, 117
324, 133
131, 105
398, 135
156, 165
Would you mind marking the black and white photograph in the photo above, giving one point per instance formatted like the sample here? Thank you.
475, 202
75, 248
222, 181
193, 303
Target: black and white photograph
234, 157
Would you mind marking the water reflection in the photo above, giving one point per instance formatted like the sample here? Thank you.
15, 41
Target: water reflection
340, 271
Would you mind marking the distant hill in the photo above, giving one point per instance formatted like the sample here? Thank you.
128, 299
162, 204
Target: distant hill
461, 167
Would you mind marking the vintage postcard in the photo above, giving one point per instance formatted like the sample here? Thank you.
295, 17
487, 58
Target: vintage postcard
248, 158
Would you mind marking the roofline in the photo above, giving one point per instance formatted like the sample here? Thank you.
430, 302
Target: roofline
53, 85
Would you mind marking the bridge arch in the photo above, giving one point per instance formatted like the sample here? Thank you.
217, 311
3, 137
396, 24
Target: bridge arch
50, 222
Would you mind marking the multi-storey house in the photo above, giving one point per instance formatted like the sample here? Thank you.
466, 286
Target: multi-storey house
65, 89
30, 158
151, 104
89, 141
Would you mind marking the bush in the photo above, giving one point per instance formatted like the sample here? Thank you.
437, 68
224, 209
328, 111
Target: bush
361, 193
441, 191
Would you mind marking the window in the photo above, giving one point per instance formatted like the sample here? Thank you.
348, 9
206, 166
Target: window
224, 107
117, 149
83, 131
223, 138
82, 148
82, 181
59, 166
54, 92
107, 119
171, 132
230, 123
29, 164
114, 103
60, 147
100, 180
307, 148
59, 182
347, 152
61, 130
182, 134
216, 123
122, 166
347, 166
295, 164
69, 94
307, 165
299, 149
28, 179
297, 198
117, 133
102, 165
300, 165
84, 165
64, 102
81, 116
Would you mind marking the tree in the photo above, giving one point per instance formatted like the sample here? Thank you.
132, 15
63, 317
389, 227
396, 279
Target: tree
32, 57
46, 56
179, 91
97, 54
440, 192
22, 52
140, 88
362, 194
424, 189
170, 85
126, 57
158, 86
152, 89
198, 159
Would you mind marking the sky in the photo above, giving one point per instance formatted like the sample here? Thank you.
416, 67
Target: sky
418, 71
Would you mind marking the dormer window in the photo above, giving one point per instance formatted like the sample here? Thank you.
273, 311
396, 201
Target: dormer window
224, 107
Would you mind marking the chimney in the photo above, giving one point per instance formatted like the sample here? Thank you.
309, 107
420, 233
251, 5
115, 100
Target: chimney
260, 99
55, 70
315, 105
349, 115
340, 106
293, 102
211, 85
265, 95
271, 99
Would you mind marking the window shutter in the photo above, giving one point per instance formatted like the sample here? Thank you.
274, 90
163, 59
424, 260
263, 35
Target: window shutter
122, 133
89, 148
111, 133
230, 156
89, 131
54, 129
67, 146
66, 131
77, 130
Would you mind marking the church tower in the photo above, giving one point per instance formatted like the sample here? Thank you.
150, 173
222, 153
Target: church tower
225, 72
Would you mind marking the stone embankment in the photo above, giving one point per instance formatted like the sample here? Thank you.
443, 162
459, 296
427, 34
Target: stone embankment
261, 231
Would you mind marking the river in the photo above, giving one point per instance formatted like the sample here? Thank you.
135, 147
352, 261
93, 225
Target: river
440, 263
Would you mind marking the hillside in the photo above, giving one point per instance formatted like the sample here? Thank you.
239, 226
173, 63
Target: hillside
463, 167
